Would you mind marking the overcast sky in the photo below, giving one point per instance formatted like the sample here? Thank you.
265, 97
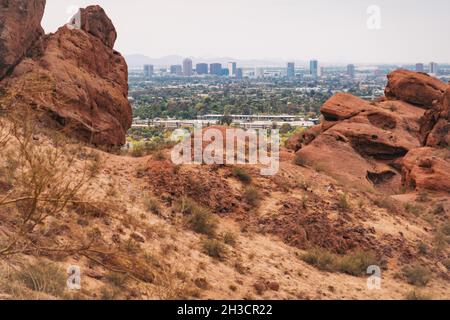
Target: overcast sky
329, 30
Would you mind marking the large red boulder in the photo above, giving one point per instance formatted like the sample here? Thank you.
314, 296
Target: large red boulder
415, 88
95, 21
427, 169
365, 147
79, 80
20, 28
435, 129
343, 106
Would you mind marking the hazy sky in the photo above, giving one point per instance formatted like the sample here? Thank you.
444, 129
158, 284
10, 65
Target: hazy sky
329, 30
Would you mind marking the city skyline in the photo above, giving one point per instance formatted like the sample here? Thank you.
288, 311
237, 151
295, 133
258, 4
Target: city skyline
411, 31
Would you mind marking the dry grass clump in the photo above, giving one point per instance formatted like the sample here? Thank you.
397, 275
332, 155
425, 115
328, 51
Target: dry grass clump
199, 218
214, 249
252, 196
343, 202
152, 205
43, 277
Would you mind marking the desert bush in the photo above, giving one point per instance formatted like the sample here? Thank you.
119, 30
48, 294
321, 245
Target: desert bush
214, 249
44, 277
386, 203
423, 197
422, 248
417, 275
299, 161
304, 202
116, 279
355, 264
199, 218
43, 187
242, 175
152, 205
159, 155
320, 258
343, 202
414, 209
252, 196
416, 295
229, 238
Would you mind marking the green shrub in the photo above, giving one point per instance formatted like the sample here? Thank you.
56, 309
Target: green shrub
320, 258
44, 277
214, 249
417, 275
355, 264
242, 175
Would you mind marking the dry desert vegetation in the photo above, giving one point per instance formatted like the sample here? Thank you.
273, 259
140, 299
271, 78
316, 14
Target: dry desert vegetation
369, 186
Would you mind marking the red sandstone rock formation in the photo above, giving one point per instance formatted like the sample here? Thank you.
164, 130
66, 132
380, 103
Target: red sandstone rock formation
377, 143
79, 80
20, 28
415, 88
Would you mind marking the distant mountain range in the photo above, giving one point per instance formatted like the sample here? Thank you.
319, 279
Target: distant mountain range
138, 60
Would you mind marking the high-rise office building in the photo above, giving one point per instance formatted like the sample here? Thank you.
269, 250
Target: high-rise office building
420, 67
201, 68
239, 73
232, 66
434, 68
215, 69
187, 67
314, 68
176, 69
148, 71
291, 70
259, 72
351, 70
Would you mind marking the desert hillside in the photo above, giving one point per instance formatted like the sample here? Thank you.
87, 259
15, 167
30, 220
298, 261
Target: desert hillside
369, 186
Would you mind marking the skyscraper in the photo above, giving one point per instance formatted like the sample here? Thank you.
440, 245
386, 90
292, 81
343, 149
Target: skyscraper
314, 68
201, 68
232, 66
176, 69
187, 67
434, 68
239, 73
148, 71
351, 70
419, 67
291, 70
215, 69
